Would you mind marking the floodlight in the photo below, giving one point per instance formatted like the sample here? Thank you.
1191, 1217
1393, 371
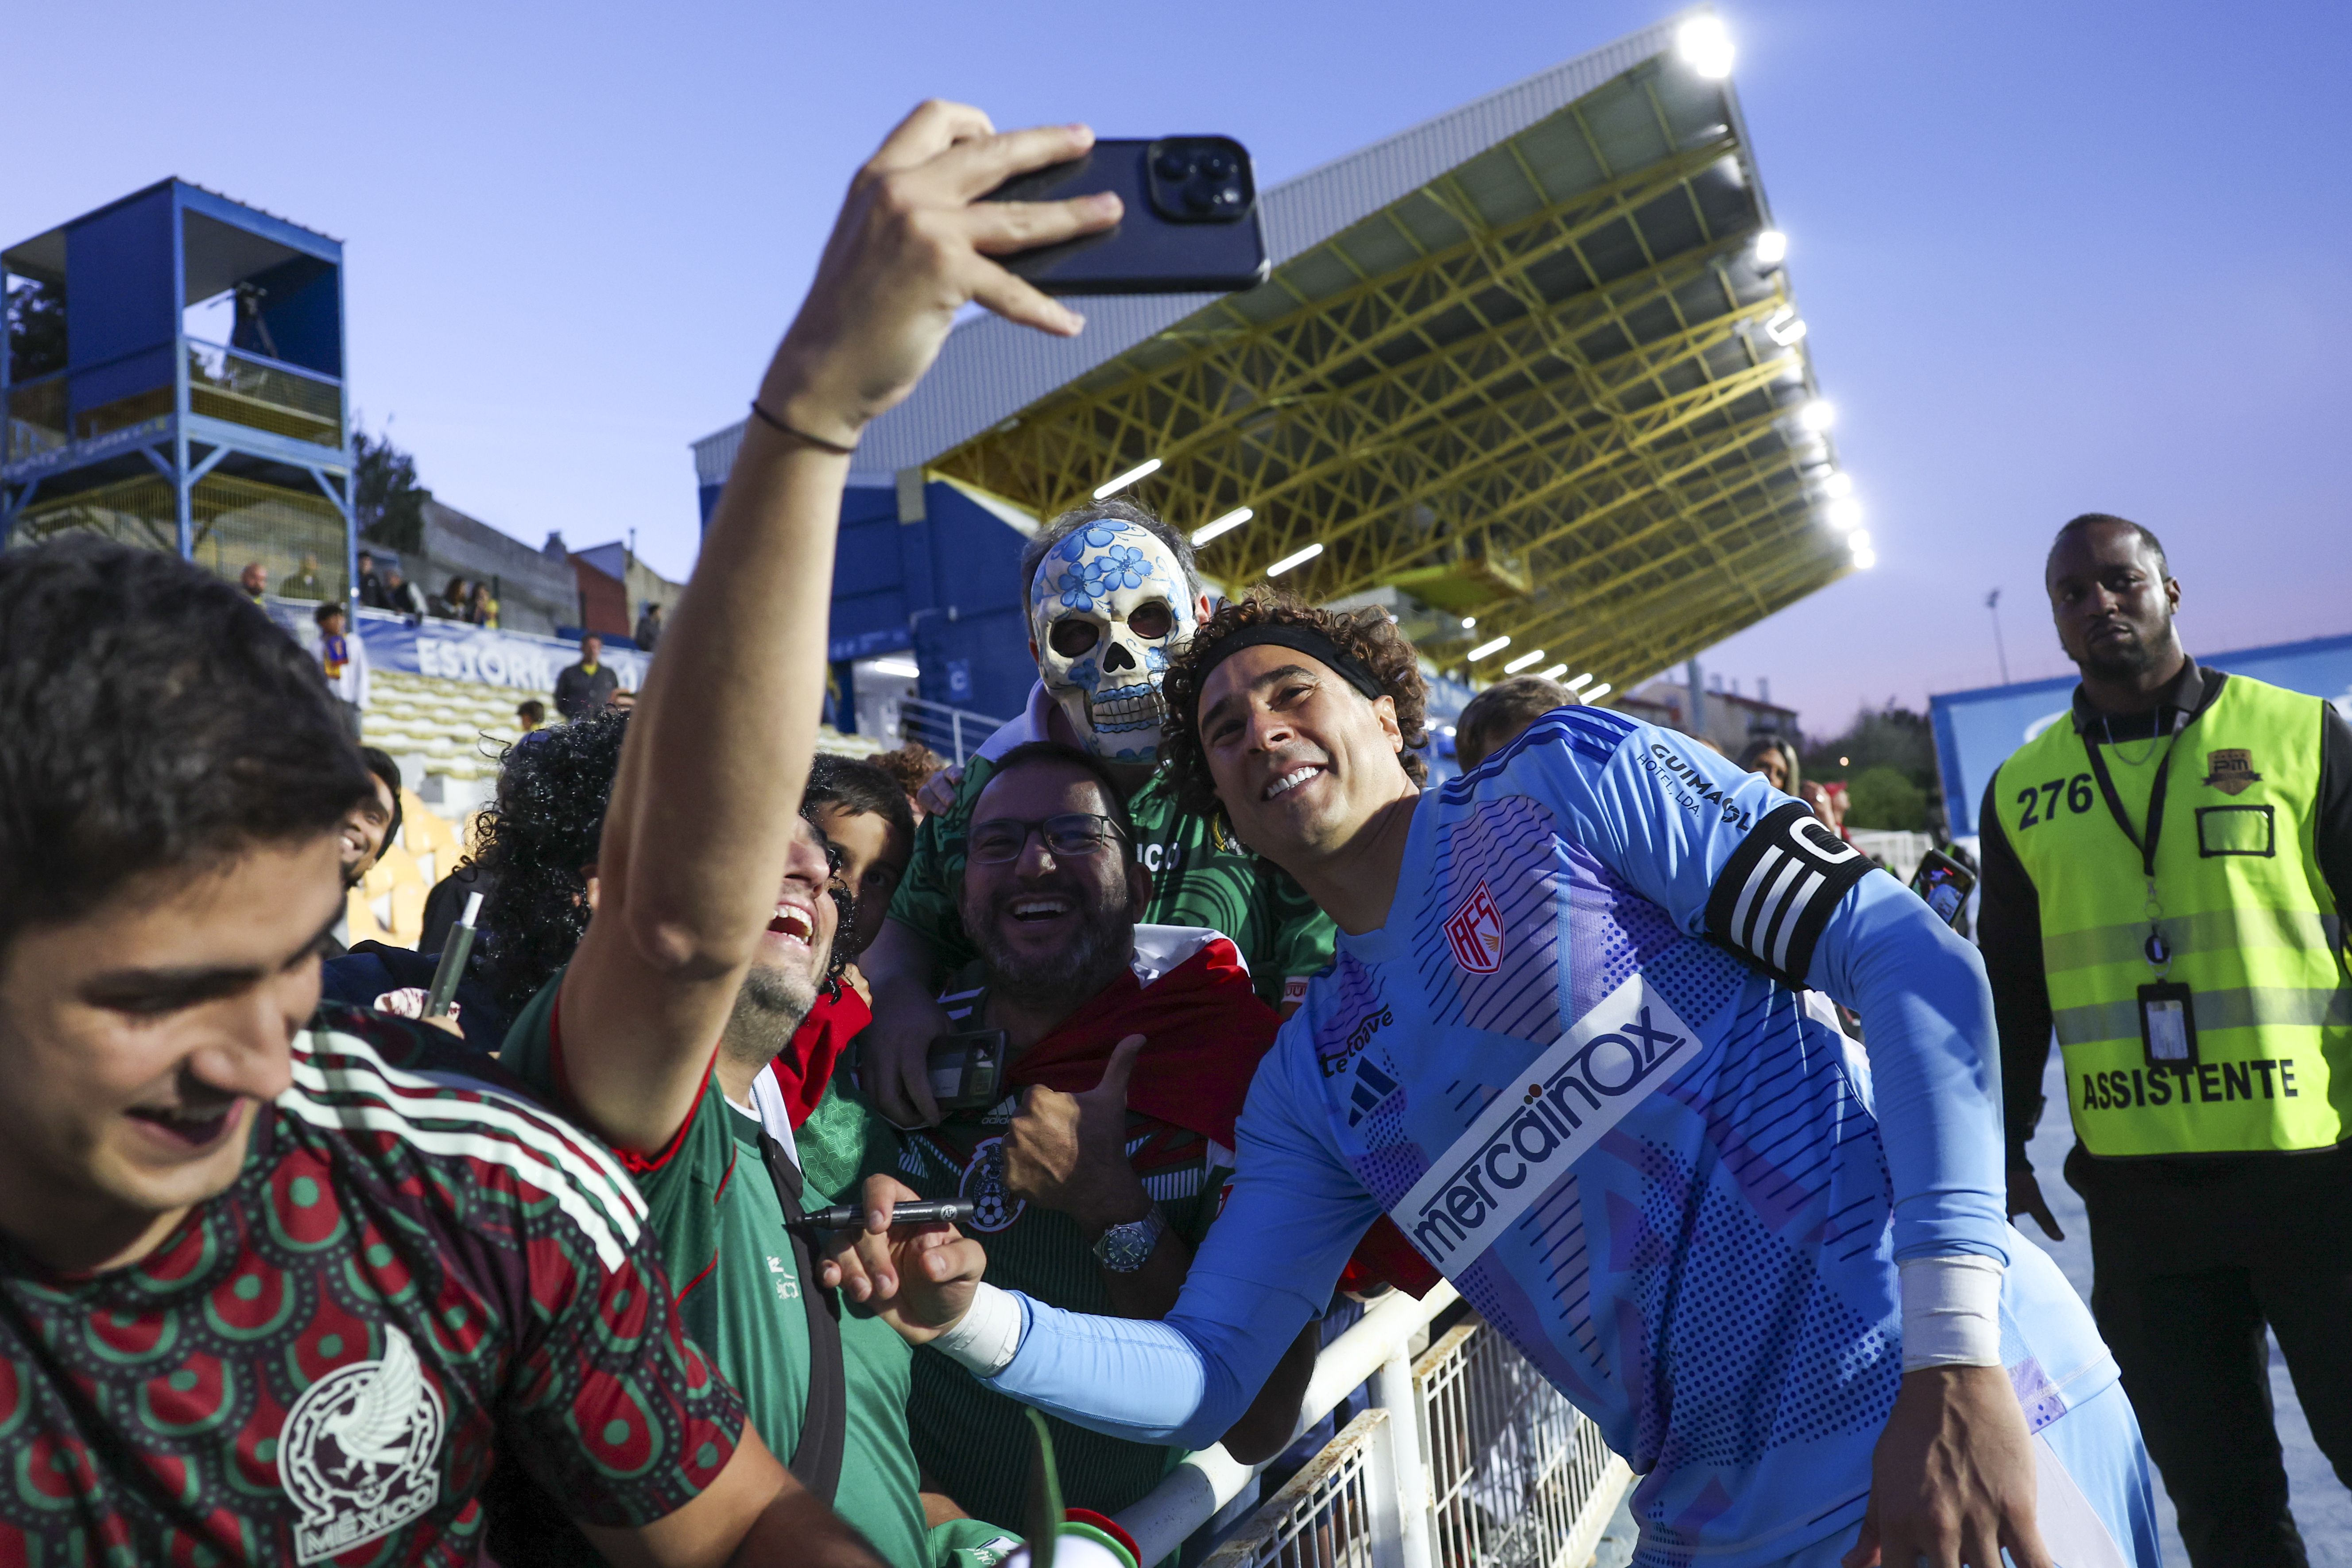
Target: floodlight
1597, 692
1143, 469
1705, 46
1838, 486
1817, 415
1578, 684
1299, 558
1771, 247
1225, 524
1483, 649
1555, 672
1522, 662
1843, 512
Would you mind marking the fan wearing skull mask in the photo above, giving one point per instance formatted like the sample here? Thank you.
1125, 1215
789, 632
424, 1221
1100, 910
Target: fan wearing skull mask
1110, 589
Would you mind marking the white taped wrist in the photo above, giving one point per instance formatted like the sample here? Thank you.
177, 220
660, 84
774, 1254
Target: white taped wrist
1951, 1312
982, 1342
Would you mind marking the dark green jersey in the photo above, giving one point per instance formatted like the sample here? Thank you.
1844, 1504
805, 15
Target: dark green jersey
973, 1442
714, 1208
1201, 876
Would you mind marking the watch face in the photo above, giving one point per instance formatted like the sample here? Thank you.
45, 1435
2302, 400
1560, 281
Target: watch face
1124, 1248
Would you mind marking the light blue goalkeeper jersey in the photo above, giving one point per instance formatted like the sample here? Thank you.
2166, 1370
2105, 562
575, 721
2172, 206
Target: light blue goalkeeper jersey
1577, 1068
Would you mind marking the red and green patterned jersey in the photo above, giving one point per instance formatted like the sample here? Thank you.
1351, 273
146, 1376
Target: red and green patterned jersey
417, 1274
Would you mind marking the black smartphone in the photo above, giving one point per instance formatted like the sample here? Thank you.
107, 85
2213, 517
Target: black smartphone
1191, 225
967, 1069
1945, 883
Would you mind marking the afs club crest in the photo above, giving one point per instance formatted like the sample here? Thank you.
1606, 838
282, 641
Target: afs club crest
1475, 930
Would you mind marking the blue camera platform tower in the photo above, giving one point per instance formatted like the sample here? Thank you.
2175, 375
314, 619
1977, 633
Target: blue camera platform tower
173, 378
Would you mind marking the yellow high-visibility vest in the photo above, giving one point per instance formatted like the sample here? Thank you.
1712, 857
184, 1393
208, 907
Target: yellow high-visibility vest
2238, 914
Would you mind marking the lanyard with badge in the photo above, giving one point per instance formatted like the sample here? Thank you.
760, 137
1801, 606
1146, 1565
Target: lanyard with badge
2168, 1014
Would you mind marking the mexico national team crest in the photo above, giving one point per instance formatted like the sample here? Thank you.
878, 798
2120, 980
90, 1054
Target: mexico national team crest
2230, 771
983, 1184
359, 1452
1474, 931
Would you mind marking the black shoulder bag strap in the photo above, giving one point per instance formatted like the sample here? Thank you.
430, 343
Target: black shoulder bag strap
825, 1421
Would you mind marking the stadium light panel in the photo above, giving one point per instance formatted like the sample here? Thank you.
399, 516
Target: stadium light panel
1771, 247
1597, 692
1297, 559
1483, 649
1837, 487
1817, 415
1522, 662
1579, 682
903, 668
1861, 541
1468, 622
1705, 46
1785, 327
1555, 672
1844, 513
1143, 469
1225, 524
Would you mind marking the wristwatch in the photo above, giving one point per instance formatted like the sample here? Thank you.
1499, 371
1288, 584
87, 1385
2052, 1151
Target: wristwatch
1123, 1248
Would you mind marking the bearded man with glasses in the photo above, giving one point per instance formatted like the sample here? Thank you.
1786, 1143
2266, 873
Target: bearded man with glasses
1097, 1138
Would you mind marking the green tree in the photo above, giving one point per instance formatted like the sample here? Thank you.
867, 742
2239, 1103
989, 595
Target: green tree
1882, 797
36, 328
386, 495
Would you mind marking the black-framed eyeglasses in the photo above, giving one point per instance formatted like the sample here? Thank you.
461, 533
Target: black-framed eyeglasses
1071, 835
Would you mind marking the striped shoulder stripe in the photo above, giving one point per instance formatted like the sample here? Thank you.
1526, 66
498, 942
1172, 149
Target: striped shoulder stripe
342, 1084
1593, 733
1779, 889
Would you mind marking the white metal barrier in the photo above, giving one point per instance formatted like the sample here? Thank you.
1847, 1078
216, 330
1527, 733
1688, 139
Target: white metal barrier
1469, 1460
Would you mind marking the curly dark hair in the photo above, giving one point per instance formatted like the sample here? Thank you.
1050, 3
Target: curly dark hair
1367, 634
540, 834
535, 839
151, 719
911, 765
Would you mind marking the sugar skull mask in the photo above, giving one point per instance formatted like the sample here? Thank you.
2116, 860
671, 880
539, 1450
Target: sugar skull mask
1107, 603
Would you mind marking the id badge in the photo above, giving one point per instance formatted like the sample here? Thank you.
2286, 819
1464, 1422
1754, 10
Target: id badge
2167, 1024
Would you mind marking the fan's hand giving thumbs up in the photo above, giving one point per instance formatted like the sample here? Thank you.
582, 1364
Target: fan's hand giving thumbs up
1068, 1151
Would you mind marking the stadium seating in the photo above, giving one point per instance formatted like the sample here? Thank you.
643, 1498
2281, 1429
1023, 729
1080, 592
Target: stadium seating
447, 737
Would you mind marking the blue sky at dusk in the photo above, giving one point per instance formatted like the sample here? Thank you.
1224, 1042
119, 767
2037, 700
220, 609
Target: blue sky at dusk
2054, 258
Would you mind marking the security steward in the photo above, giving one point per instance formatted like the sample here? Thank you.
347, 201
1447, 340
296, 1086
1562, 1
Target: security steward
2164, 882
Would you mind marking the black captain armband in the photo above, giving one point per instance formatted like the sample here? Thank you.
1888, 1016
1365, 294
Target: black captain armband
1779, 889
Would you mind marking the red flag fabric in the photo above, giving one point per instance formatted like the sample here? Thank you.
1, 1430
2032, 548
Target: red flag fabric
1204, 1025
804, 1068
1205, 1031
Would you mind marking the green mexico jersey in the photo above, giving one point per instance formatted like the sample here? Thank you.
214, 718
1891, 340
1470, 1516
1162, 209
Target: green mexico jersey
714, 1209
1201, 876
974, 1442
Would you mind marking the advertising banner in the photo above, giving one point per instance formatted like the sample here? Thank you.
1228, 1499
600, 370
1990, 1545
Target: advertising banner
1976, 730
456, 651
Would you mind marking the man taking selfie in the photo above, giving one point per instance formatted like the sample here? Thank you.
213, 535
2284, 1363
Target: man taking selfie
279, 1281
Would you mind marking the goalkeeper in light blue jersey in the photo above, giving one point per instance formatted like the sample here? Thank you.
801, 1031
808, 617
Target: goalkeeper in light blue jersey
1567, 1045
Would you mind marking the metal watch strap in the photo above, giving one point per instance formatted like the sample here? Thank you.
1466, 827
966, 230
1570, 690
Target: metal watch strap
1124, 1248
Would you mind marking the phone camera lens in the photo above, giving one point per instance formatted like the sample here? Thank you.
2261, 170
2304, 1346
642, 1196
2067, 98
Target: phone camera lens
1200, 198
1228, 198
1174, 167
1217, 166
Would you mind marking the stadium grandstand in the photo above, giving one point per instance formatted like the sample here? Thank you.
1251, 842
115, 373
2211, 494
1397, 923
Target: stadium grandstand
1532, 375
